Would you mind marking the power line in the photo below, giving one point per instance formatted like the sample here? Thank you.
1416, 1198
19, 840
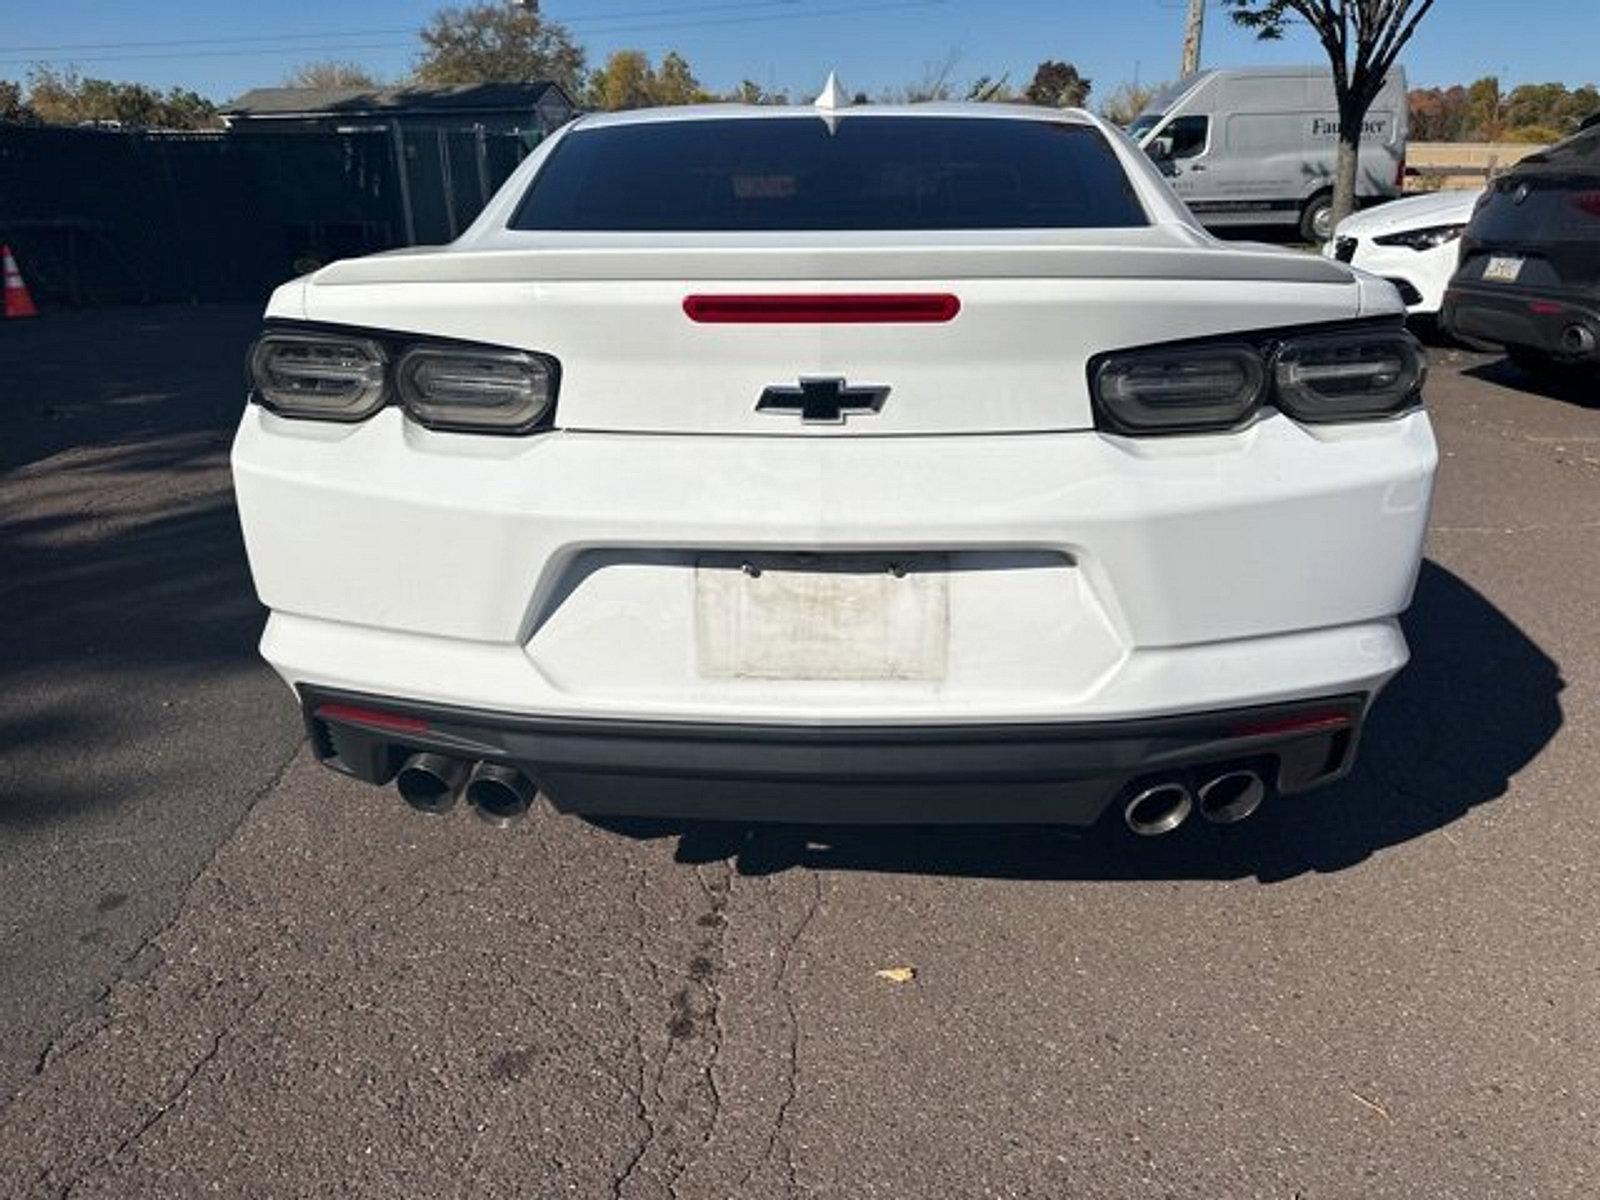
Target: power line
325, 42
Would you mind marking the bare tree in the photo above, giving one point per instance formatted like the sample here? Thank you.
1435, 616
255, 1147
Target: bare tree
331, 73
1127, 102
1363, 38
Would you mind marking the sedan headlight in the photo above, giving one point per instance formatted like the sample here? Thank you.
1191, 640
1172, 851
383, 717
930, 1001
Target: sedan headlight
326, 376
475, 390
1348, 376
1422, 239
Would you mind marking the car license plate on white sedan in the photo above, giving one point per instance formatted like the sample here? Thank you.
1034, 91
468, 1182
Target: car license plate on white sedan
821, 616
1503, 268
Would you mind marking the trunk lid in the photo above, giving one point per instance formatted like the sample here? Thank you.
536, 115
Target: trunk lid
1033, 309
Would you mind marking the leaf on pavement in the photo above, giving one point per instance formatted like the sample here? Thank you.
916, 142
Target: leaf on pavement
897, 974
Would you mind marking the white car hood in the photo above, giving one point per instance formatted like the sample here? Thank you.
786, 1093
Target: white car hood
1414, 212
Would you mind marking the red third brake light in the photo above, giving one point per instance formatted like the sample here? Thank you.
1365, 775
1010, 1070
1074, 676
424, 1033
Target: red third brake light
838, 309
354, 715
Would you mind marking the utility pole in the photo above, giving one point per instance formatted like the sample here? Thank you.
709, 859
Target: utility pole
1191, 37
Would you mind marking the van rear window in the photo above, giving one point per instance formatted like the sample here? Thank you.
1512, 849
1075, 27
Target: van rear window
856, 172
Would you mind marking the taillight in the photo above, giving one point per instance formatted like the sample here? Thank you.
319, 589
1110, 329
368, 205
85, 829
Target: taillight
1348, 376
1588, 202
1179, 390
486, 391
327, 375
1342, 375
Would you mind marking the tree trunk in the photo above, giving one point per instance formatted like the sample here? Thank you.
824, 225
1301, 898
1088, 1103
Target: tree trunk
1351, 114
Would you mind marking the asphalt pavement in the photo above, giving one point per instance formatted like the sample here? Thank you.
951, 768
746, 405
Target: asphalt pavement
224, 970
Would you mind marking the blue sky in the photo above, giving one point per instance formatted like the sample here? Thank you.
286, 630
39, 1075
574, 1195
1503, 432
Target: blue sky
222, 47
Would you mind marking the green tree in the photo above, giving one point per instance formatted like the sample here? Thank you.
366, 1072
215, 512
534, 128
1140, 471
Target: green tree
331, 73
1485, 112
498, 43
1362, 39
674, 82
1057, 85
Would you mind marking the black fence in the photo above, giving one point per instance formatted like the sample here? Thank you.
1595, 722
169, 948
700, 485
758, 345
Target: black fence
110, 216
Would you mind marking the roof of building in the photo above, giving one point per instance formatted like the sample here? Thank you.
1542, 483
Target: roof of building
346, 102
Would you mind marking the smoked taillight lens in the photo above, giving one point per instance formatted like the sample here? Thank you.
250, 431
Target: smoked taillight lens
328, 377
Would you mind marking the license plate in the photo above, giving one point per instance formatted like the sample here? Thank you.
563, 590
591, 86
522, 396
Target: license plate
820, 617
1503, 268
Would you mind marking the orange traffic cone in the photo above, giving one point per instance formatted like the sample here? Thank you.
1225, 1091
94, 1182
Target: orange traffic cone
18, 302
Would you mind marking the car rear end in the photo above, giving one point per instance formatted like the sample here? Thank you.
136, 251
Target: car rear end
922, 465
1529, 277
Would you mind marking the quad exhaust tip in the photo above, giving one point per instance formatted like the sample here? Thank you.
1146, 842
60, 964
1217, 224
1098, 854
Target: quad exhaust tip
500, 795
430, 783
1157, 809
1231, 796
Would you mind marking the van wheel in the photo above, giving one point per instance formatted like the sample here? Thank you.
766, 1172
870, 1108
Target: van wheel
1316, 218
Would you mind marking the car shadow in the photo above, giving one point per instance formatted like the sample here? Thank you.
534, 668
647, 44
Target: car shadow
1478, 701
1574, 389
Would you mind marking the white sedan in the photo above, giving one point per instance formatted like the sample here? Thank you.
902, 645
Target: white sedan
1413, 243
919, 463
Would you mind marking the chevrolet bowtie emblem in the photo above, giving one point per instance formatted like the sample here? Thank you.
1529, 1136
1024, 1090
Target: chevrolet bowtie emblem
822, 401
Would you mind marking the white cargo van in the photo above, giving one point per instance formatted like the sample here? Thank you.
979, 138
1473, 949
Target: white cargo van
1257, 145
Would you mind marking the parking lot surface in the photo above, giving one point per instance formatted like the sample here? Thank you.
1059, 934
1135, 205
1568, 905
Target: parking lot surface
224, 969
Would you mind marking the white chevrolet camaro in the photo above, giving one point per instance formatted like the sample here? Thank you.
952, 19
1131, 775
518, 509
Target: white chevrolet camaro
921, 463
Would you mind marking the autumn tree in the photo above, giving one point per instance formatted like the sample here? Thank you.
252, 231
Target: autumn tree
62, 97
331, 73
630, 80
1057, 85
1363, 38
498, 43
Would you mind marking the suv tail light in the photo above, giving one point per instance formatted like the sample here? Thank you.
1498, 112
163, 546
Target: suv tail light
1348, 374
325, 374
1588, 202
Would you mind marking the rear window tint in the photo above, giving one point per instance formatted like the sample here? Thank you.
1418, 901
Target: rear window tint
864, 173
1581, 149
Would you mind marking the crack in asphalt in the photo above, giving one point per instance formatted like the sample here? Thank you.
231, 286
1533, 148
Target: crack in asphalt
94, 1014
791, 1082
173, 1100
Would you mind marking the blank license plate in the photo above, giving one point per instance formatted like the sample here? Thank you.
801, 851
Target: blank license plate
1503, 268
847, 616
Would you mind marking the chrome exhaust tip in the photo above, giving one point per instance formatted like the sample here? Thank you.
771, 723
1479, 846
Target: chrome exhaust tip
500, 795
1231, 796
430, 783
1157, 809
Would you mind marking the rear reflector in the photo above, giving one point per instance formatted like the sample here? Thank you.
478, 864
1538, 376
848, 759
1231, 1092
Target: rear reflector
373, 717
1544, 308
822, 310
1311, 722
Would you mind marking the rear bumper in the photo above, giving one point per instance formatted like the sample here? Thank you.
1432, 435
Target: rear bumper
1536, 319
1068, 773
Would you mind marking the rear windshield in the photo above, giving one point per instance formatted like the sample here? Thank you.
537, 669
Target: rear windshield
797, 173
